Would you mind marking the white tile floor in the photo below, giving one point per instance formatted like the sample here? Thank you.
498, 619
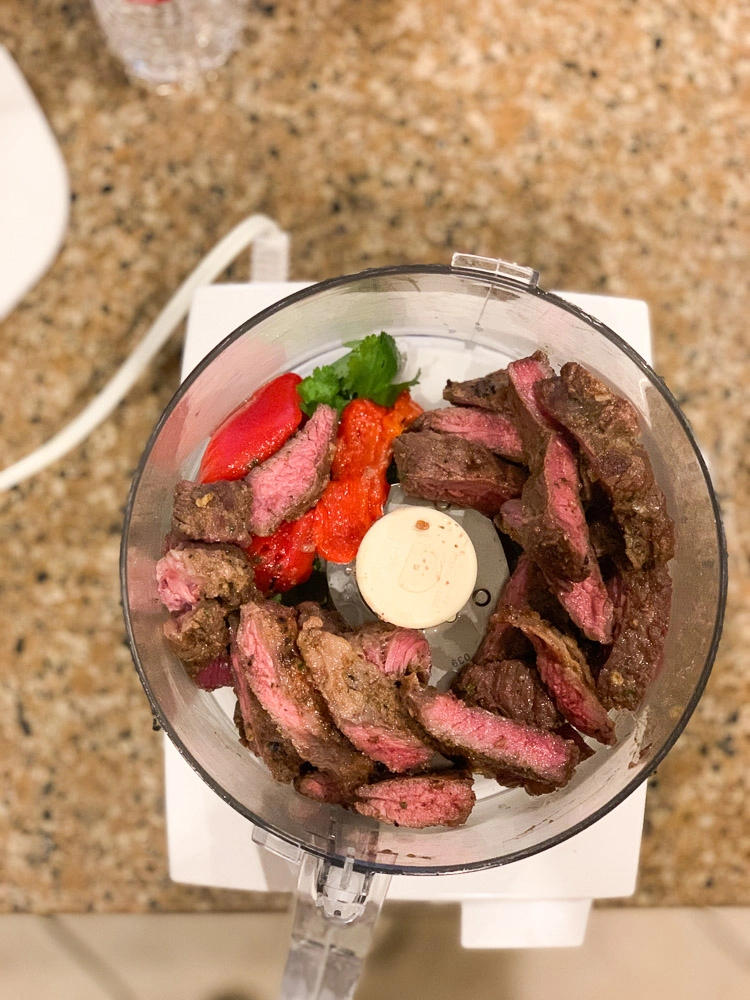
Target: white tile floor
649, 954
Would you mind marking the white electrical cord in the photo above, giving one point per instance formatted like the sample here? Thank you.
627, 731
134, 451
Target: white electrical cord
273, 266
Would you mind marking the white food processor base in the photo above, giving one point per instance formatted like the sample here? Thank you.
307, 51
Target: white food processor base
539, 902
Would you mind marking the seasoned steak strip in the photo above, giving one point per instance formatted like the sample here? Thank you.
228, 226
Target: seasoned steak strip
490, 743
553, 524
193, 573
586, 601
497, 679
292, 480
215, 674
490, 392
282, 684
421, 800
606, 428
257, 729
363, 701
511, 687
445, 467
498, 643
212, 512
198, 635
564, 670
332, 620
323, 786
394, 651
495, 431
643, 606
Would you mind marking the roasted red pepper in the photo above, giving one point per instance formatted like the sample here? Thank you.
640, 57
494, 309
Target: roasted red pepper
254, 432
403, 412
354, 499
346, 512
361, 441
285, 559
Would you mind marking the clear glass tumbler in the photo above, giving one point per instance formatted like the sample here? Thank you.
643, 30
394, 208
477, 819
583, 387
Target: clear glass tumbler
168, 42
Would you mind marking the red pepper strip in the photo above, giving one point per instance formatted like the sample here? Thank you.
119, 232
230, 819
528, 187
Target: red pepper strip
254, 432
360, 441
403, 412
346, 512
354, 499
285, 559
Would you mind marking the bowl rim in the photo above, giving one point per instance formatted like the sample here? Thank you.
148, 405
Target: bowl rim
491, 280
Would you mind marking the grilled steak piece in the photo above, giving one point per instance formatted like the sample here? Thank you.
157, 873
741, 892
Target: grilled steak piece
198, 572
198, 635
586, 601
215, 674
495, 431
569, 733
332, 620
589, 606
258, 731
212, 512
499, 642
395, 651
244, 732
323, 787
363, 701
498, 678
490, 392
291, 481
643, 607
512, 688
564, 670
606, 536
422, 800
445, 467
491, 744
553, 525
606, 428
282, 684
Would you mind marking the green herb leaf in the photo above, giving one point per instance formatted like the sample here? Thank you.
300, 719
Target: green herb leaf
366, 372
323, 386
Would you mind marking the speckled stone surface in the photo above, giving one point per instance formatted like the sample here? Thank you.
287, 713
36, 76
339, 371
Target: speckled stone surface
605, 143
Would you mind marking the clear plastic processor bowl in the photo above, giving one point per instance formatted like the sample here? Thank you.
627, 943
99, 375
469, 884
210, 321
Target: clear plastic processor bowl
461, 321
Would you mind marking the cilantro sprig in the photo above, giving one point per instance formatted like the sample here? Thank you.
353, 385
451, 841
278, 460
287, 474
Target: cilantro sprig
366, 372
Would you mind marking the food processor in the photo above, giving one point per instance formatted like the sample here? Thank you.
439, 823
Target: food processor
452, 322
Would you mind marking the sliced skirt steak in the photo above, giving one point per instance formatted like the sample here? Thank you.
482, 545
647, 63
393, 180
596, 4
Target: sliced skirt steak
587, 601
606, 428
447, 468
198, 635
212, 512
444, 799
511, 687
495, 431
643, 606
277, 675
257, 729
215, 674
490, 392
363, 701
323, 786
500, 642
194, 573
553, 523
566, 675
395, 651
491, 744
292, 480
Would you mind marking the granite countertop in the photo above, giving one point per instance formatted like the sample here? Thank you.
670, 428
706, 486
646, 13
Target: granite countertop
609, 151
